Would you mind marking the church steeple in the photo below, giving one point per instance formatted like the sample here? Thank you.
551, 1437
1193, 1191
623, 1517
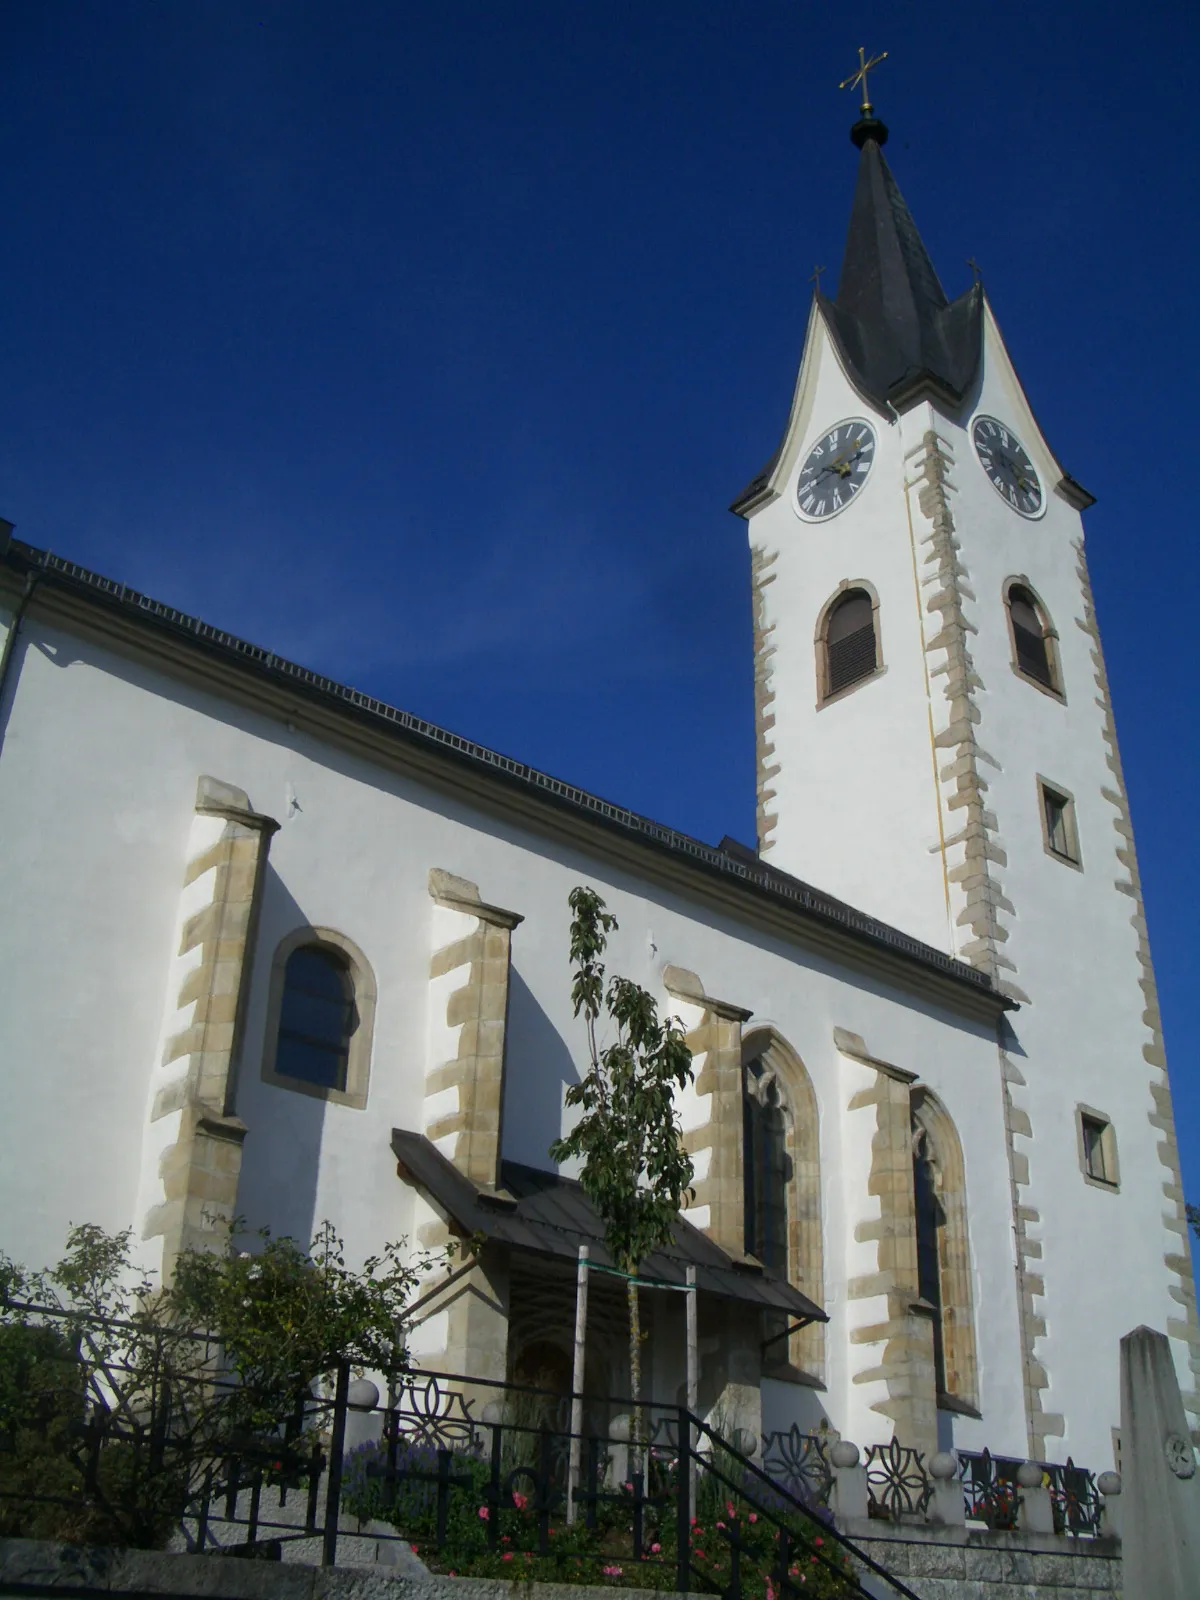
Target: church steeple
899, 339
899, 335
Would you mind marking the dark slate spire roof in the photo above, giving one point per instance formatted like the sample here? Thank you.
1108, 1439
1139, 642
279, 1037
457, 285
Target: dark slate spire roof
891, 318
899, 336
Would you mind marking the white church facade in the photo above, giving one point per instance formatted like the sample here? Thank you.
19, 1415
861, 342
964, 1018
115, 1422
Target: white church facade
273, 948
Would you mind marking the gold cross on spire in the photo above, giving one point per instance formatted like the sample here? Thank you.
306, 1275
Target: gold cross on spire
855, 78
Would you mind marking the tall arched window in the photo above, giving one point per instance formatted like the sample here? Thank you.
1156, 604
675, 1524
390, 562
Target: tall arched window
848, 645
943, 1251
319, 1017
782, 1186
931, 1220
1033, 639
765, 1168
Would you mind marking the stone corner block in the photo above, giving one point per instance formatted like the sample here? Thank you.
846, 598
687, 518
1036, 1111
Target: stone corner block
460, 894
684, 985
214, 795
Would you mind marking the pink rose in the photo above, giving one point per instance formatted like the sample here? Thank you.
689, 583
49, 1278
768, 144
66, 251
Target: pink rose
483, 1512
520, 1500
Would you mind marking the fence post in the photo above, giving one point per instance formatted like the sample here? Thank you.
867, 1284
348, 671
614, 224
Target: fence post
1037, 1511
493, 1488
316, 1466
202, 1520
683, 1504
333, 1489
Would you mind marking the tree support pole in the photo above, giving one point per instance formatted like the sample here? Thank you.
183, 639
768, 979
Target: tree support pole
693, 1366
577, 1377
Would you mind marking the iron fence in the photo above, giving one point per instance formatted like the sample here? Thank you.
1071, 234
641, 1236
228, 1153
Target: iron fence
992, 1492
464, 1469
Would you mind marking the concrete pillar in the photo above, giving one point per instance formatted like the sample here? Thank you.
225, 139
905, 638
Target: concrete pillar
1160, 1545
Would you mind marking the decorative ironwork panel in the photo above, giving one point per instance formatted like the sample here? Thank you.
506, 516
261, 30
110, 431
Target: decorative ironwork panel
1076, 1500
990, 1491
799, 1462
897, 1483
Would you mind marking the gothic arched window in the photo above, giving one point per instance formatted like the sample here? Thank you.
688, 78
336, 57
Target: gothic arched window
781, 1170
320, 1016
1033, 639
848, 644
931, 1221
765, 1168
943, 1251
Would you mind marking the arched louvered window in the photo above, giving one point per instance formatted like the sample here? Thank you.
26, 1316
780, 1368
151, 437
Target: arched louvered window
850, 644
1032, 638
316, 1017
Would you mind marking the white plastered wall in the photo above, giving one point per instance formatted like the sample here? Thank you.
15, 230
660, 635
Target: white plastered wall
353, 854
854, 794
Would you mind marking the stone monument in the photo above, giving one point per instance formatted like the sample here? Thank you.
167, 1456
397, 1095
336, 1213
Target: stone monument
1160, 1489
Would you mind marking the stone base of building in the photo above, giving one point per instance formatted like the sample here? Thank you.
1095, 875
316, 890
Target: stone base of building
979, 1564
939, 1565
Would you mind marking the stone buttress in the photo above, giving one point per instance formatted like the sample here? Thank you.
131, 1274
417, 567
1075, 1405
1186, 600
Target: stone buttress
710, 1112
192, 1141
462, 1114
890, 1329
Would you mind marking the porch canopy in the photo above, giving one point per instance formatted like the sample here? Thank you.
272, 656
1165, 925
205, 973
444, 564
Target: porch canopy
548, 1215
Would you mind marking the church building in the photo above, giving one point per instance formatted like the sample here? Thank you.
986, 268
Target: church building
273, 948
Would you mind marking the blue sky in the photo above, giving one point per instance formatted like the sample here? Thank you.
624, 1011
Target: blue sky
427, 345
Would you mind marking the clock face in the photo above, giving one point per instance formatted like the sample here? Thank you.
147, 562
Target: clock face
1006, 461
835, 469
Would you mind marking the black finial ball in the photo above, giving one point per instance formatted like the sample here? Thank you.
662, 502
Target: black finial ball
868, 128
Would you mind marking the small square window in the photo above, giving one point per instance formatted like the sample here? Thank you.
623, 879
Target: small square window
1093, 1148
1059, 833
1097, 1147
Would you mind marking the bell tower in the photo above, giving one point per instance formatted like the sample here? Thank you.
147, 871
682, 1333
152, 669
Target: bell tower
936, 746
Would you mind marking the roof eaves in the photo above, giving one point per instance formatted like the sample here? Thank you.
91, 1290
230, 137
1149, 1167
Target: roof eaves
760, 879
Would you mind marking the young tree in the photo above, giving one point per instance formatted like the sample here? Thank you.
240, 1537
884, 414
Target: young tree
635, 1169
220, 1362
